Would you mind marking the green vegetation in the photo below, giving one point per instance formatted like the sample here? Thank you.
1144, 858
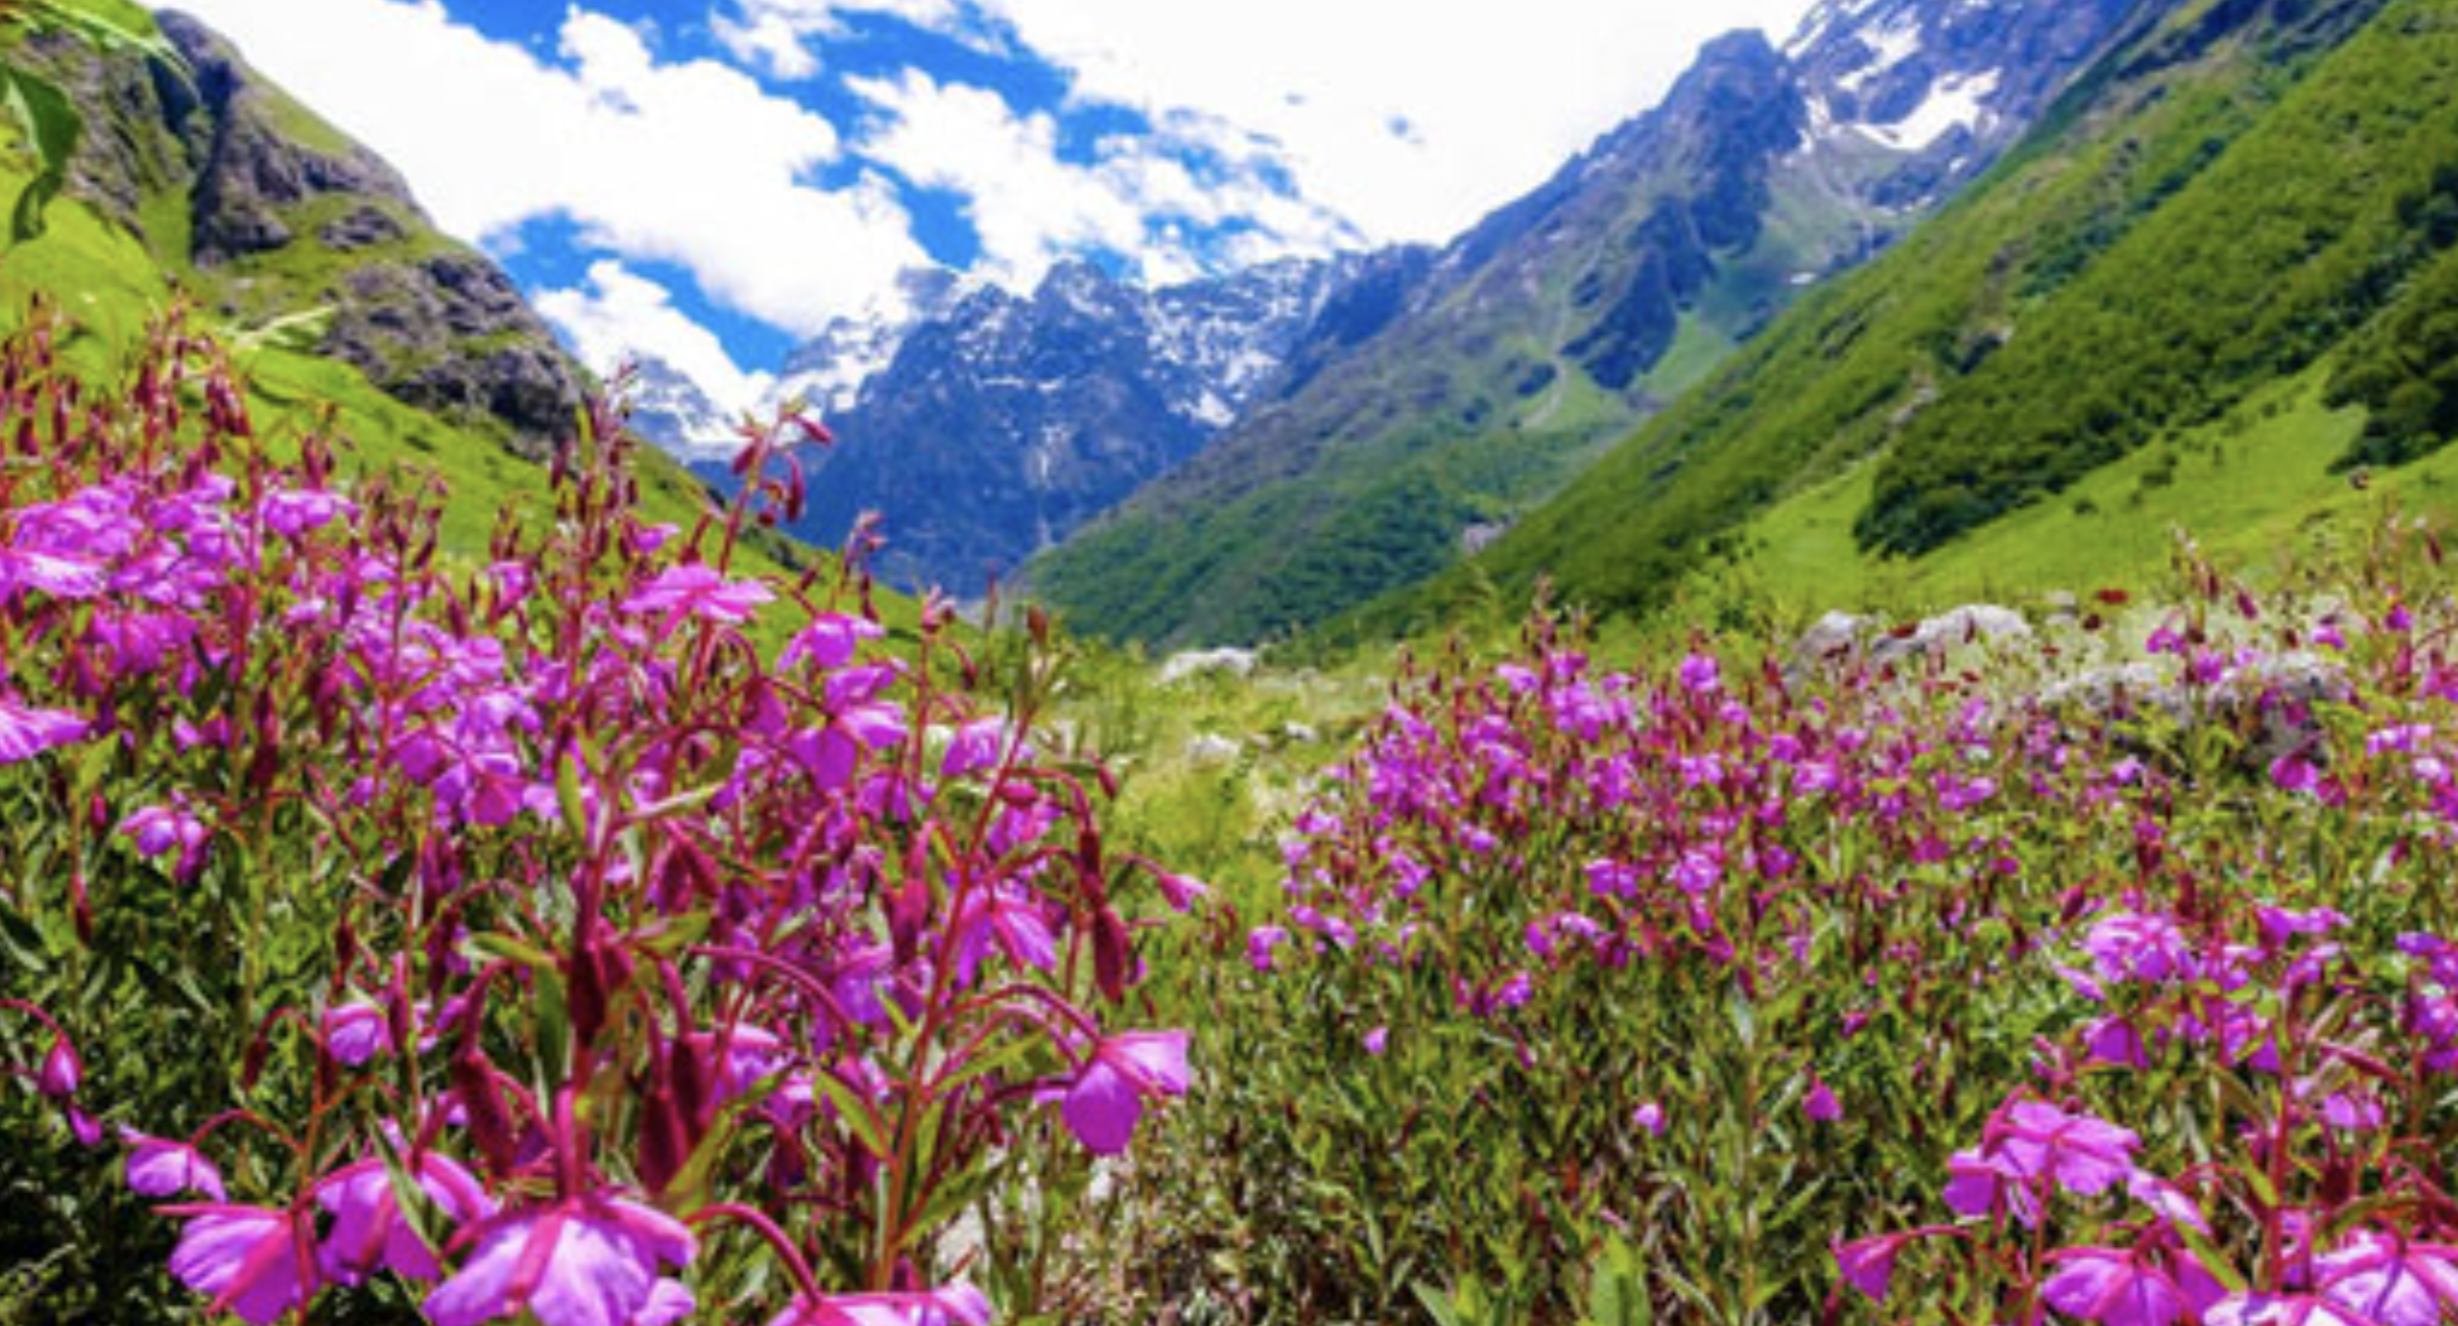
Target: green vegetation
2249, 196
110, 285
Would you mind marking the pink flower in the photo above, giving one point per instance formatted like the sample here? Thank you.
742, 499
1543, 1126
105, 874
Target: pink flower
1107, 1099
2129, 946
159, 829
1377, 1041
161, 1168
248, 1258
2279, 1310
60, 577
1700, 675
1820, 1103
2383, 1278
1869, 1264
1649, 1116
1013, 918
292, 514
582, 1261
956, 1305
2168, 1200
356, 1032
2082, 1154
829, 642
26, 733
62, 1071
1260, 942
2118, 1288
977, 747
368, 1233
697, 591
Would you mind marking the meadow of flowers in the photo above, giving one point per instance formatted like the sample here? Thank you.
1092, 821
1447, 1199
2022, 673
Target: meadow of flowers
2107, 977
598, 933
392, 934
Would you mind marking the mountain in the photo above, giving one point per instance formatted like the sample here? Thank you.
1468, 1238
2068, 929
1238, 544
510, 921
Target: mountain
268, 212
2214, 286
1002, 422
667, 408
198, 182
1503, 363
827, 372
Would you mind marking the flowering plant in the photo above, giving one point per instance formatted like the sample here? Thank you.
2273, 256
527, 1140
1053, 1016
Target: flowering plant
582, 931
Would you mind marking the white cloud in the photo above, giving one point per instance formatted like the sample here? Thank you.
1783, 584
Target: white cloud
1411, 118
691, 163
776, 35
621, 315
1030, 208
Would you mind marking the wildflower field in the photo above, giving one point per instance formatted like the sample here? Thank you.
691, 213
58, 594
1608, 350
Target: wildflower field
596, 931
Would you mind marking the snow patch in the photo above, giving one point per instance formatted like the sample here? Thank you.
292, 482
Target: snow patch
1893, 44
1953, 103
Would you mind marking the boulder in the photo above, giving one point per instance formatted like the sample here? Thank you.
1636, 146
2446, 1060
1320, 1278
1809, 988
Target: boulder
1976, 623
1239, 663
1209, 749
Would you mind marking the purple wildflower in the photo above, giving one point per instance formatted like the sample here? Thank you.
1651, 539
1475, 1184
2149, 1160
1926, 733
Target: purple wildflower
1107, 1098
368, 1232
583, 1261
158, 1167
26, 733
697, 591
247, 1257
956, 1305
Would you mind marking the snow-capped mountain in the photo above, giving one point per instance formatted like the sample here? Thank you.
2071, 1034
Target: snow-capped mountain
1945, 84
1004, 422
670, 410
1564, 318
827, 371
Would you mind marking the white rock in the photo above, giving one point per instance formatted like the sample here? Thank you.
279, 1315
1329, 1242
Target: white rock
1978, 623
1210, 749
1238, 663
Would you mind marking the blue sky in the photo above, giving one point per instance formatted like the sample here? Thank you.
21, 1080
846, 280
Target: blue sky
712, 181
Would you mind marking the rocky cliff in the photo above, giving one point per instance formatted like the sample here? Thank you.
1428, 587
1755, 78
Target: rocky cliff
272, 211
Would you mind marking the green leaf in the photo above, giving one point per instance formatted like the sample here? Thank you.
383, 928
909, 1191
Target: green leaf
1438, 1305
567, 795
855, 1111
1617, 1296
493, 946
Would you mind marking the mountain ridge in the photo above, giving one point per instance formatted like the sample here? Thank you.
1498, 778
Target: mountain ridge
1541, 334
2242, 228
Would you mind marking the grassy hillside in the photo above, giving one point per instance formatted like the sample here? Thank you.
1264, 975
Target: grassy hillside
111, 279
110, 284
1539, 338
2242, 207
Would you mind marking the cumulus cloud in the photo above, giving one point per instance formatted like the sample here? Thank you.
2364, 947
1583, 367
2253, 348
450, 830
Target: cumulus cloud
775, 35
1029, 207
686, 162
619, 315
1411, 118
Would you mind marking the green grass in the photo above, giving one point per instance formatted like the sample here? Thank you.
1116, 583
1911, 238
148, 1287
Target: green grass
1944, 344
2254, 490
113, 284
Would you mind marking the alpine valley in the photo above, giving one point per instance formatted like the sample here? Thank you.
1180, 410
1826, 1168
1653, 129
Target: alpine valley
1500, 366
1256, 451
